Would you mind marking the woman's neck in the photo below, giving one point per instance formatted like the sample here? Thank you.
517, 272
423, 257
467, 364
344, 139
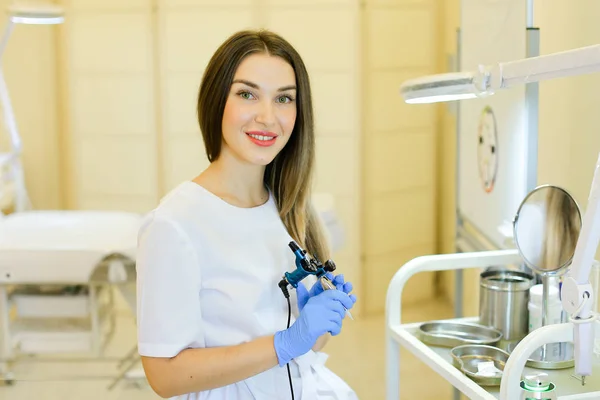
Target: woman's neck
235, 181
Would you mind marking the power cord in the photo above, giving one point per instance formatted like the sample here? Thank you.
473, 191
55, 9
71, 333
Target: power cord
283, 286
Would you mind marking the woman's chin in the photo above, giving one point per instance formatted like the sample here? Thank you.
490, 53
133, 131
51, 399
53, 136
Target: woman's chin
263, 161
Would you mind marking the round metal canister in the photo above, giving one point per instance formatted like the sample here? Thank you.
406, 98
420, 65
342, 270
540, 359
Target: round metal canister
503, 299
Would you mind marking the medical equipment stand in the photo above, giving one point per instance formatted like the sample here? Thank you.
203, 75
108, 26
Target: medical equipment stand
398, 334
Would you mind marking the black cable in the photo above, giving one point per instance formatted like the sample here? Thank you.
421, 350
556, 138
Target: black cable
283, 286
288, 364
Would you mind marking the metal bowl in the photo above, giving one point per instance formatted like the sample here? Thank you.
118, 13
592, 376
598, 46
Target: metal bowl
452, 334
468, 359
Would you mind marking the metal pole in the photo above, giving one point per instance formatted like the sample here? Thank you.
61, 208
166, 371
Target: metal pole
532, 111
458, 275
530, 13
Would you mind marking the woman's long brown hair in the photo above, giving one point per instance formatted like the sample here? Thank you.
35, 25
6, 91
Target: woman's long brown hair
289, 176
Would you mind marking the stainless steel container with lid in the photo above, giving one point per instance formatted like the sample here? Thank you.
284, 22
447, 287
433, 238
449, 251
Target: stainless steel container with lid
503, 299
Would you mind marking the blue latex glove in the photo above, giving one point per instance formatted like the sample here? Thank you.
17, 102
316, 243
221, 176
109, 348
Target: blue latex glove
322, 313
303, 294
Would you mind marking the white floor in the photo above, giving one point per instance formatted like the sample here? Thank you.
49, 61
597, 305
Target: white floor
357, 356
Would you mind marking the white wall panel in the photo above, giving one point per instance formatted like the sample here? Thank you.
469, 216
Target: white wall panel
29, 66
117, 202
335, 161
400, 219
348, 259
185, 158
111, 104
401, 38
310, 31
110, 42
335, 103
205, 4
399, 161
419, 288
403, 3
113, 5
346, 209
111, 94
117, 165
386, 111
180, 98
307, 3
191, 36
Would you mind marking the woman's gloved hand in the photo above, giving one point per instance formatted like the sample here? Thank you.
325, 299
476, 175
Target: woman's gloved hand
322, 313
316, 289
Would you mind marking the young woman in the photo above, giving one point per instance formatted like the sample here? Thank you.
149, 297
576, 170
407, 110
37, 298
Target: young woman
212, 321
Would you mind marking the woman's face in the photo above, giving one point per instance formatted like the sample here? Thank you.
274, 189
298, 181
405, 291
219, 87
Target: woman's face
260, 111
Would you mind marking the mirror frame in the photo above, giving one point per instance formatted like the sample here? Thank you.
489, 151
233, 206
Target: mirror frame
515, 220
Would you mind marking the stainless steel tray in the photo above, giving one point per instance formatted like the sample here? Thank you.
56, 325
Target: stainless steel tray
468, 357
452, 334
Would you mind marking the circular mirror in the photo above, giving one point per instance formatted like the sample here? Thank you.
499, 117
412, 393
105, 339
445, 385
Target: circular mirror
546, 229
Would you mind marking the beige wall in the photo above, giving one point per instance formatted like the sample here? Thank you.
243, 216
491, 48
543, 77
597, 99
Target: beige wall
569, 140
111, 117
399, 144
446, 172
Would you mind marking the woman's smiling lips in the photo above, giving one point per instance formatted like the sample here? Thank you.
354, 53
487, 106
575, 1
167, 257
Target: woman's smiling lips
262, 138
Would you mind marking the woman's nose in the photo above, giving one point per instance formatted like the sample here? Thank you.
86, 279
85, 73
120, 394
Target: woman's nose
265, 113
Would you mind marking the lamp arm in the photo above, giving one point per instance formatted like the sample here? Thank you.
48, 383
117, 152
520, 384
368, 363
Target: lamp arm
580, 61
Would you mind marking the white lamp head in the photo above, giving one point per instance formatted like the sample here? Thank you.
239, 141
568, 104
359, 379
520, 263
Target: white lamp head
36, 14
441, 87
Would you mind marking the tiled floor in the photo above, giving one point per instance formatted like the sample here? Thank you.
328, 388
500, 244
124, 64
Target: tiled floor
357, 356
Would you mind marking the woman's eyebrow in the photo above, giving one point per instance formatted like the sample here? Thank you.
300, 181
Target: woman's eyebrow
255, 86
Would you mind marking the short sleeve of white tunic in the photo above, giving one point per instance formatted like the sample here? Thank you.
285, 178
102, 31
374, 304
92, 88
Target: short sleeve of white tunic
168, 308
208, 276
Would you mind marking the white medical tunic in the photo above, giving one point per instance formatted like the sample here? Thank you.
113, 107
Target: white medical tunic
207, 277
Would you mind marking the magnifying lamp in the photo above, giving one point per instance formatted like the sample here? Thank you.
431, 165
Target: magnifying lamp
29, 14
489, 79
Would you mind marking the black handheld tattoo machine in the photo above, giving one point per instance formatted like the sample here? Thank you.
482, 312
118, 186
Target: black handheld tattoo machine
305, 266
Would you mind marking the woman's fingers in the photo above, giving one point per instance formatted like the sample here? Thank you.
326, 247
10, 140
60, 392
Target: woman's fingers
338, 280
347, 287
